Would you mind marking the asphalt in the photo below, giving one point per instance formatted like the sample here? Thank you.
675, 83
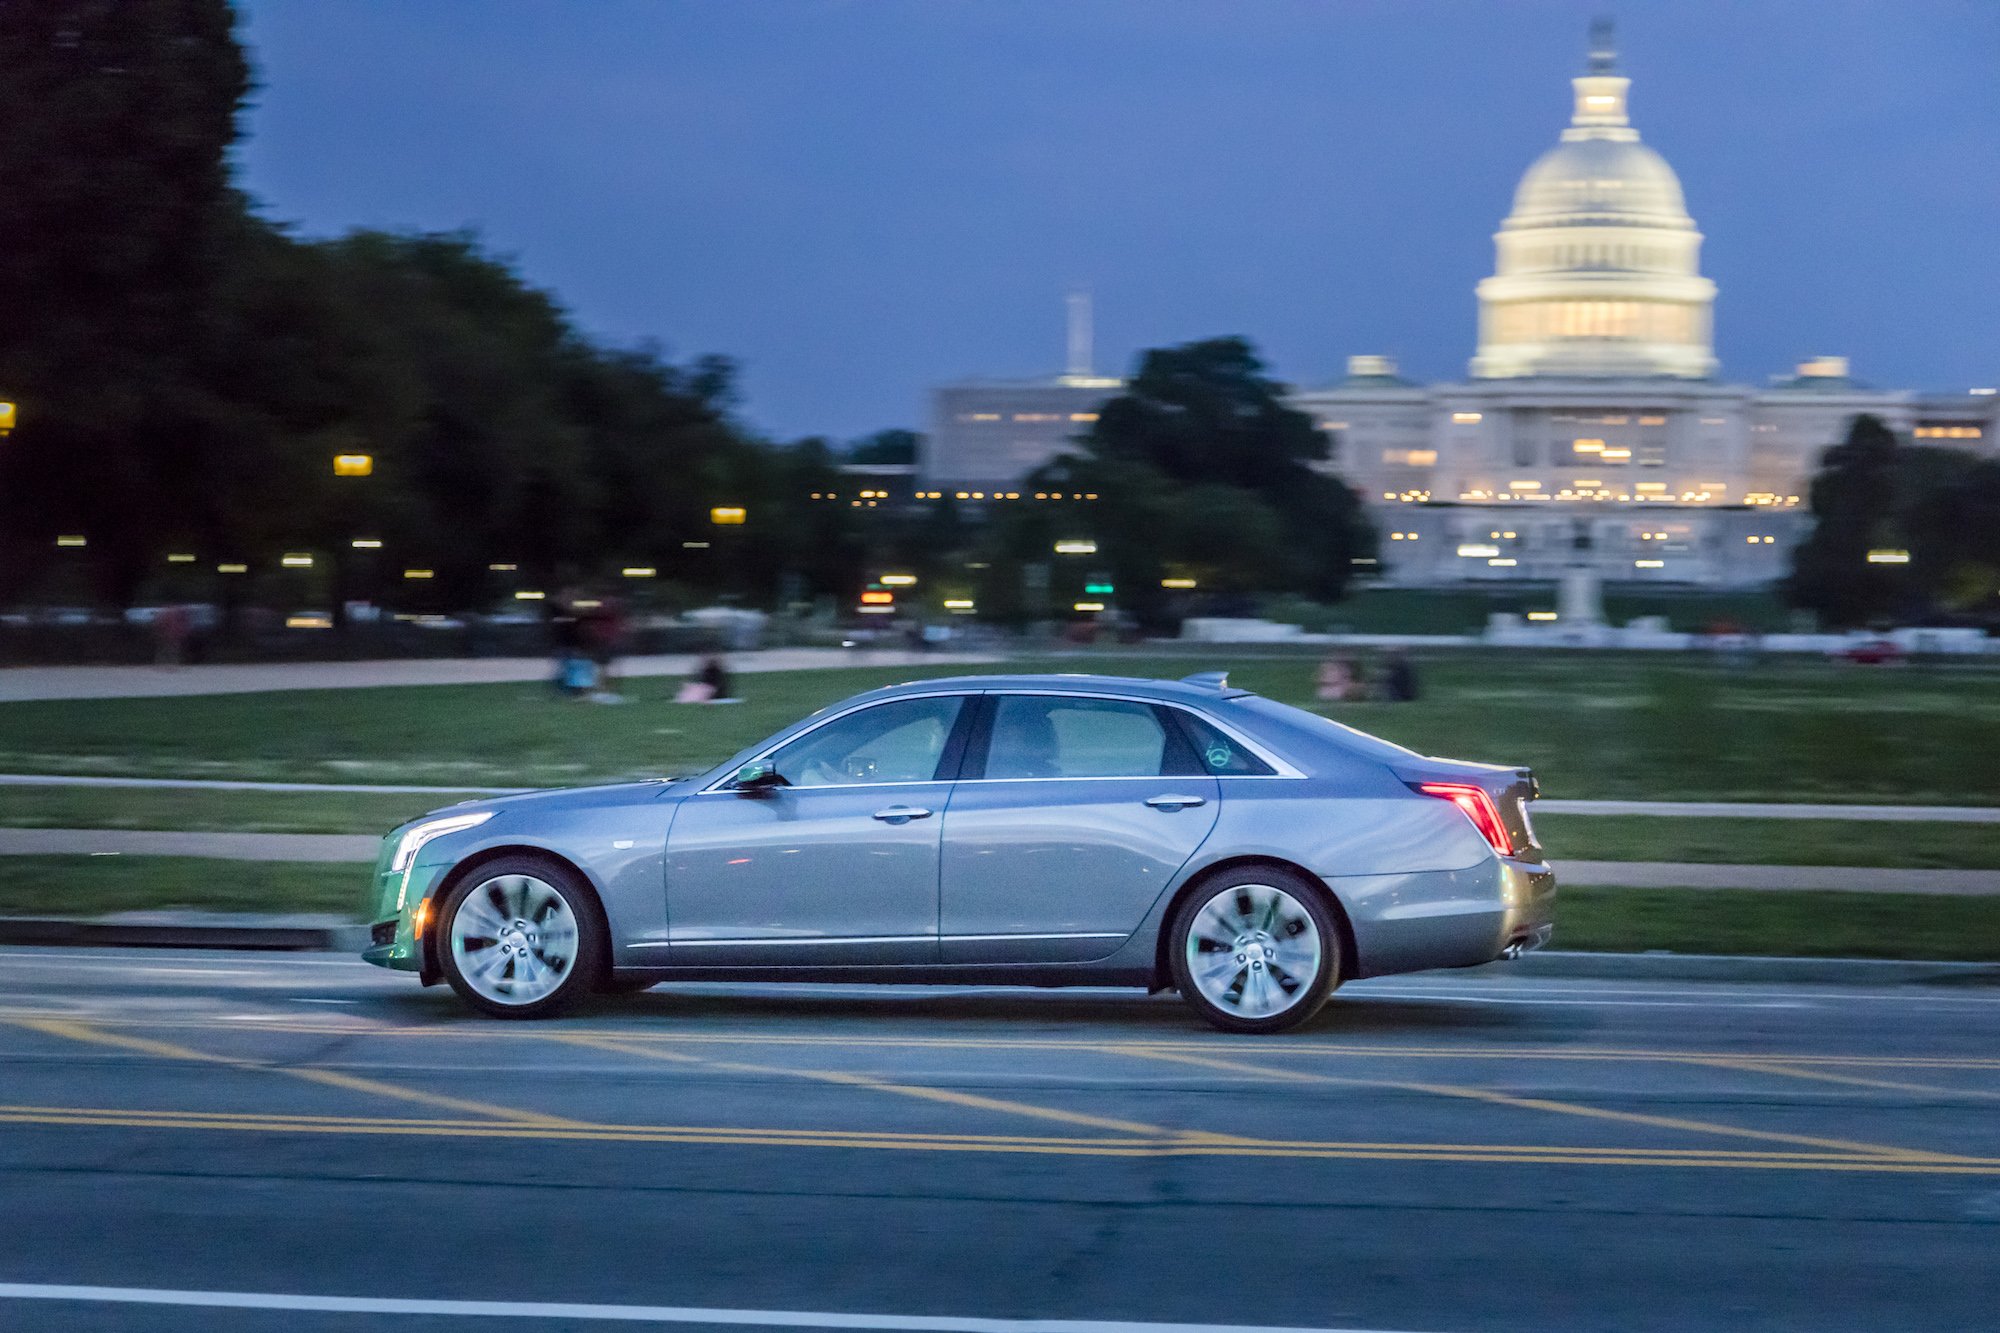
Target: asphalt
297, 1142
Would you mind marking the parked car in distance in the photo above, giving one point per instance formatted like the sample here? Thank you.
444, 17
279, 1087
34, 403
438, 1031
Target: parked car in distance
1038, 830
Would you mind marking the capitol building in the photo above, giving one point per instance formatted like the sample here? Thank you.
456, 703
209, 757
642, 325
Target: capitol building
1592, 428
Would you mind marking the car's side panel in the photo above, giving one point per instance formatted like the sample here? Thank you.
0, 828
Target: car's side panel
807, 875
1061, 869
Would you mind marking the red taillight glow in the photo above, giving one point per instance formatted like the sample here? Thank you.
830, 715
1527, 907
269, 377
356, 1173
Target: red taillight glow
1478, 805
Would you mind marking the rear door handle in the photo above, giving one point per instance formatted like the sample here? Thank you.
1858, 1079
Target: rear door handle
1175, 802
902, 814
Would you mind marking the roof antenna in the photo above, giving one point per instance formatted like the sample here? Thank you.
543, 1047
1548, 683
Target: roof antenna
1603, 46
1079, 335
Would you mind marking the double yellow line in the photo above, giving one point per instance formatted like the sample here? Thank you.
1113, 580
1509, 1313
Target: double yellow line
1112, 1137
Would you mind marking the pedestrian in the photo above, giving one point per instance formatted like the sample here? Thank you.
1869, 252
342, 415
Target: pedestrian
1399, 677
170, 636
1338, 681
575, 674
604, 637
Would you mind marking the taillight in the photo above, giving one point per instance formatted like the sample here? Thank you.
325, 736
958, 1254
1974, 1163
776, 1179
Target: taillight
1478, 805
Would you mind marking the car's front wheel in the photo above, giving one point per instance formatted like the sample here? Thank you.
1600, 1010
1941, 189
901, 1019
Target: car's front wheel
520, 938
1256, 950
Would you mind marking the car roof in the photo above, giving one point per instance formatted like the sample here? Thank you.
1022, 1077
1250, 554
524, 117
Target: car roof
1206, 688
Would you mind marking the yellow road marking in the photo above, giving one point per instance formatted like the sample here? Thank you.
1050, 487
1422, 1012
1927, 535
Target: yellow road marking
1762, 1066
485, 1031
948, 1096
1171, 1147
1873, 1150
83, 1032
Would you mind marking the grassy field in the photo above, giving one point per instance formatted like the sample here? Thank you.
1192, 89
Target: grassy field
96, 885
1823, 925
1914, 846
1591, 724
212, 811
1775, 842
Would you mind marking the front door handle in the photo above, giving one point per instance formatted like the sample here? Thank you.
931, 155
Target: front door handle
902, 814
1175, 802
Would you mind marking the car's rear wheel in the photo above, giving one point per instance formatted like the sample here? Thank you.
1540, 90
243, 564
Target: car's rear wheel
1256, 950
520, 938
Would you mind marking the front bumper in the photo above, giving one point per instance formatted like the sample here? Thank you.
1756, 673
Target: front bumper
392, 913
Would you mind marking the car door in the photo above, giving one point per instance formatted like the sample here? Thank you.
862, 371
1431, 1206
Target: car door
1072, 814
836, 867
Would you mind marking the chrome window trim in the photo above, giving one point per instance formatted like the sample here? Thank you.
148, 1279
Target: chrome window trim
717, 785
1281, 768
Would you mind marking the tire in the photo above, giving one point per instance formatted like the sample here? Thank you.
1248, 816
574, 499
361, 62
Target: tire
521, 937
1285, 940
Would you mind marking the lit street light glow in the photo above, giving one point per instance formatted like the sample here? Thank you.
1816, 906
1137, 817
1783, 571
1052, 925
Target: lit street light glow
297, 560
353, 465
640, 571
728, 516
1076, 546
899, 580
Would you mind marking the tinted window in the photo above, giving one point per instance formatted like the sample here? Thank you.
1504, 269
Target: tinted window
1048, 736
1218, 752
893, 742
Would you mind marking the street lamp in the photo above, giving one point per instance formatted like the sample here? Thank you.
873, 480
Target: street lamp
353, 465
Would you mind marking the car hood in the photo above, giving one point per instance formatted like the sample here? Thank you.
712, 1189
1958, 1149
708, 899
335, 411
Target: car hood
573, 798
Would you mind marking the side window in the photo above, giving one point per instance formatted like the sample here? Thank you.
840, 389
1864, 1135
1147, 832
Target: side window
1217, 753
900, 741
1051, 736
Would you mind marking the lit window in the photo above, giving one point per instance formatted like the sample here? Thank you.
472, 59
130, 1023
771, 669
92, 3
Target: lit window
1466, 418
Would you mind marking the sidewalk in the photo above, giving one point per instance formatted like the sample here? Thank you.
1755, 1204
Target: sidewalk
357, 848
18, 684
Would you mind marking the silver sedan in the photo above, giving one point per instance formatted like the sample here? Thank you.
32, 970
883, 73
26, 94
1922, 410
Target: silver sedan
1028, 830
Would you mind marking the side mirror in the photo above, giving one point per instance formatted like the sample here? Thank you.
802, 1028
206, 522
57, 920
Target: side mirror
759, 776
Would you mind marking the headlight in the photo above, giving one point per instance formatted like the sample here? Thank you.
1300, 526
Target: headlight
417, 835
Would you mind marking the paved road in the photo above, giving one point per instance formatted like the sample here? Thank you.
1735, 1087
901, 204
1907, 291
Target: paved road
1435, 1154
136, 682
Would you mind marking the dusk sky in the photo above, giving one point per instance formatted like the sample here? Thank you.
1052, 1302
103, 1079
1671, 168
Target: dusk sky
859, 199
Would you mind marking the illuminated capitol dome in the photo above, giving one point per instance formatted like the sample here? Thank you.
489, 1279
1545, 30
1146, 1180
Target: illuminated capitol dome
1594, 428
1598, 267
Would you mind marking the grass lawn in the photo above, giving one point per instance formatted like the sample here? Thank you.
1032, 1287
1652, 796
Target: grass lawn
1778, 842
95, 885
1825, 925
1591, 724
1822, 842
212, 811
1795, 924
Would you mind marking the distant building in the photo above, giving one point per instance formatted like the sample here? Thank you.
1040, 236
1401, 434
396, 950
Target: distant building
1592, 427
986, 435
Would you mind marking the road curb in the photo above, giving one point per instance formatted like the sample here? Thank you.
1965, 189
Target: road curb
1560, 964
192, 930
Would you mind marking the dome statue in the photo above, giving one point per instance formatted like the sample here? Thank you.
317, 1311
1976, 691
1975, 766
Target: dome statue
1597, 267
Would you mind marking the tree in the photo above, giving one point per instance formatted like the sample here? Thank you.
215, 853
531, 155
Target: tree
1203, 469
1853, 501
885, 446
116, 227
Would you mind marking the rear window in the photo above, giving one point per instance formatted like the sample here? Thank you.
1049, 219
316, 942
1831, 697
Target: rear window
1218, 752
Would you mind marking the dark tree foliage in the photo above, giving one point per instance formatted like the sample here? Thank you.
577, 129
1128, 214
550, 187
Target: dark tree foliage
885, 446
1204, 472
1853, 499
186, 371
1873, 493
117, 225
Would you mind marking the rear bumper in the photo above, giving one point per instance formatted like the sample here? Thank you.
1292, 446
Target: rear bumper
1448, 918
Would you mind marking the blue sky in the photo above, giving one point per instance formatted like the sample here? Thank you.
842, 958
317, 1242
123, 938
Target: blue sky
858, 199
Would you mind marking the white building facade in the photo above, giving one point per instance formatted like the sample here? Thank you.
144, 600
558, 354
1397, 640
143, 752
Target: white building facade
1592, 428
